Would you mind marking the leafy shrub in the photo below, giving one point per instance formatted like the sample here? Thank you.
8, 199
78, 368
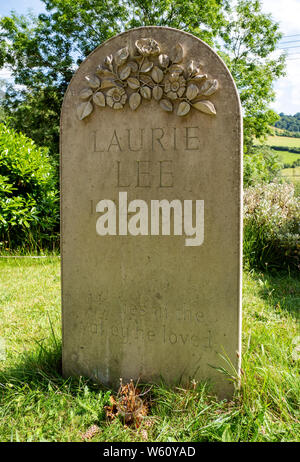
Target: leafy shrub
29, 200
261, 165
272, 226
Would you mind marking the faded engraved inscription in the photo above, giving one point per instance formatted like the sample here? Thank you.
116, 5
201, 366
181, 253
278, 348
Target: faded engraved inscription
158, 139
147, 72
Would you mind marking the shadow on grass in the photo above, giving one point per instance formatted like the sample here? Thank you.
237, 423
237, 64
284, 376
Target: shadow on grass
281, 291
43, 366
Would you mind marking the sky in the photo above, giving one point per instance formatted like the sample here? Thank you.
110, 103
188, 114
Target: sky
285, 12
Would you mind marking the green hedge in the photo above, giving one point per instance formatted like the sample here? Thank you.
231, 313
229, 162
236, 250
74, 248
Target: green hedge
29, 198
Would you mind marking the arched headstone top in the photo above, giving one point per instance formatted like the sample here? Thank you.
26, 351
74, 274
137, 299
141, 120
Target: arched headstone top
172, 68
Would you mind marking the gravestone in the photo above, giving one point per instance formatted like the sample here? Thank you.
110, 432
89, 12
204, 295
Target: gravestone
151, 212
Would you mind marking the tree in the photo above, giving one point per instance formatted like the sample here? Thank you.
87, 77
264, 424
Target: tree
43, 52
250, 38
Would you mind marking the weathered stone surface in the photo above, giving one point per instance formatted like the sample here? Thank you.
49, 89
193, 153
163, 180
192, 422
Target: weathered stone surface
151, 120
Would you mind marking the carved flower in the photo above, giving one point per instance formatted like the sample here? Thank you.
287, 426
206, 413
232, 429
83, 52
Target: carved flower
116, 97
175, 85
147, 47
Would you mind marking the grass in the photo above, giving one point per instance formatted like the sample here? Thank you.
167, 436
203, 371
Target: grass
274, 140
288, 157
291, 173
37, 404
285, 156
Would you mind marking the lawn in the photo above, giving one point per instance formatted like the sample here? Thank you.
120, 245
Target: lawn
37, 404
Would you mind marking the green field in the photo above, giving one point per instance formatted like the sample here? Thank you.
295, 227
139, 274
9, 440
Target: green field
37, 404
288, 157
275, 140
291, 173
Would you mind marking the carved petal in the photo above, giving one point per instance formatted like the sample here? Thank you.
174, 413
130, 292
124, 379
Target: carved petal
93, 81
99, 99
157, 92
134, 101
183, 108
209, 87
177, 54
164, 61
145, 92
121, 56
205, 106
192, 68
85, 93
200, 77
84, 109
133, 83
166, 105
172, 95
192, 91
125, 72
157, 74
146, 66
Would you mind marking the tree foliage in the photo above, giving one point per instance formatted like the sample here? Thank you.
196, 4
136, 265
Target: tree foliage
43, 52
289, 122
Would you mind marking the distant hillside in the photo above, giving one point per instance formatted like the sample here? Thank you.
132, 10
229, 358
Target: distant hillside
289, 122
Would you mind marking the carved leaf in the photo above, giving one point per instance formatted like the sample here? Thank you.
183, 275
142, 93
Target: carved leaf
209, 87
183, 108
205, 106
121, 56
134, 66
93, 81
166, 105
145, 92
164, 61
84, 109
146, 79
103, 71
85, 93
157, 74
146, 66
157, 92
134, 101
192, 91
107, 83
177, 54
133, 83
99, 99
125, 72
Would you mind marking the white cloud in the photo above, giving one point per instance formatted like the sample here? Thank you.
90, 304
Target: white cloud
287, 14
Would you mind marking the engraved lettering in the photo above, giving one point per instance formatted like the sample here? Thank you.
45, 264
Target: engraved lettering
143, 177
157, 137
114, 141
190, 143
165, 176
140, 147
